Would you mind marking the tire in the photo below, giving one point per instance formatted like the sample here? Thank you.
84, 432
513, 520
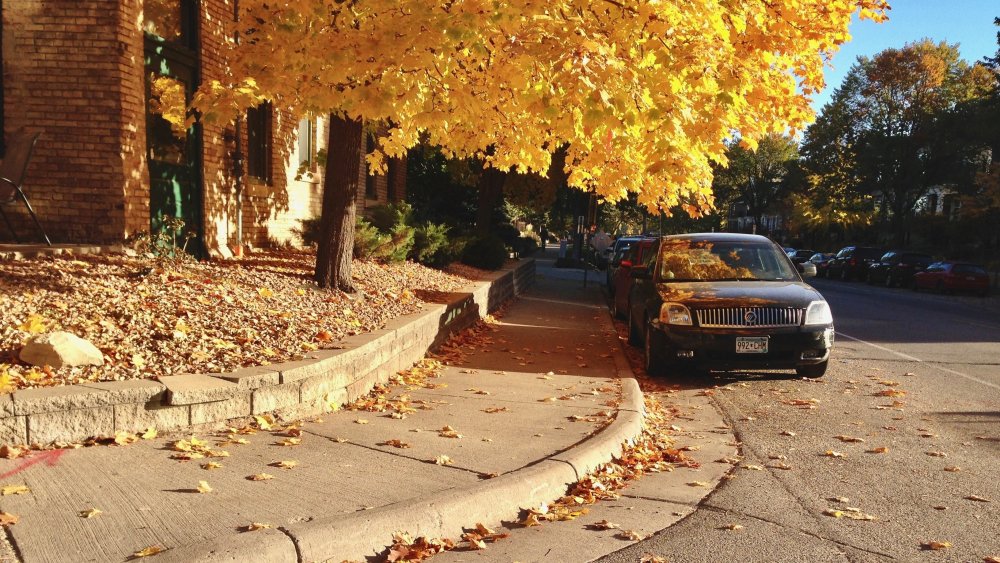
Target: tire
653, 355
812, 371
633, 332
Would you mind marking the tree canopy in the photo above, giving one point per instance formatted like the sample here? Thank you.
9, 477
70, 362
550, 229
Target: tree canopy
640, 95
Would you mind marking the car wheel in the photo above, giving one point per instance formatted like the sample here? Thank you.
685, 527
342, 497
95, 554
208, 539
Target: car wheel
615, 313
633, 332
811, 371
653, 353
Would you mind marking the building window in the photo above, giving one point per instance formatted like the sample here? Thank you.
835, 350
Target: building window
305, 142
371, 192
259, 148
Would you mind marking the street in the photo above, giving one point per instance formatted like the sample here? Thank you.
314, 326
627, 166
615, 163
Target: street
915, 374
897, 446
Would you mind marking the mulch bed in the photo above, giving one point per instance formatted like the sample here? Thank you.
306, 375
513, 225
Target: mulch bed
153, 318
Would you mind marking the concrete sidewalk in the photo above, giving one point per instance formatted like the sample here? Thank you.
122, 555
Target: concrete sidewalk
537, 401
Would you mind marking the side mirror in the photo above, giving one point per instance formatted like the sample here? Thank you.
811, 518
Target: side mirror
639, 273
807, 269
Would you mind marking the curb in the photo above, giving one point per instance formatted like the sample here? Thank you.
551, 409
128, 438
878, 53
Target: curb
366, 534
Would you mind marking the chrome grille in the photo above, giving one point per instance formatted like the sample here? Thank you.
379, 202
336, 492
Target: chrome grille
743, 317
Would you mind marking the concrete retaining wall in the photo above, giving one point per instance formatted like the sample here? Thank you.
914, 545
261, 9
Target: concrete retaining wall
323, 379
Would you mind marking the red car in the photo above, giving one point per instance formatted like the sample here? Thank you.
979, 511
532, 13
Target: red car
640, 253
953, 276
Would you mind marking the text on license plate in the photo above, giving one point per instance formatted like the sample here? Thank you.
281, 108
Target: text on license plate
751, 344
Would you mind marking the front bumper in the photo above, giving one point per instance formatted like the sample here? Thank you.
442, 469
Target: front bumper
715, 349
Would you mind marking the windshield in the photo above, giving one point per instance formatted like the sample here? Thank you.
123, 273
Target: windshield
692, 260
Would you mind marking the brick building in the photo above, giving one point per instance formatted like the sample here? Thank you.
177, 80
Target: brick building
105, 82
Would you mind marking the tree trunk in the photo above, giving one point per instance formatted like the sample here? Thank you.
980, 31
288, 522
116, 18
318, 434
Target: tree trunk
490, 191
339, 214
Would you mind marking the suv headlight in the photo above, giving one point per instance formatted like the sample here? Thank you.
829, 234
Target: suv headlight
818, 313
675, 314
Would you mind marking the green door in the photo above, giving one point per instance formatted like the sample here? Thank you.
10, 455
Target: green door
173, 149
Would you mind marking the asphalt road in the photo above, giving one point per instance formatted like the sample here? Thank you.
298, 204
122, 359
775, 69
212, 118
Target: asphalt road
903, 429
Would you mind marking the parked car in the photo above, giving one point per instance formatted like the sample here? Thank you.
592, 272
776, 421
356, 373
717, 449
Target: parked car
800, 256
640, 253
821, 260
896, 268
852, 262
725, 301
951, 276
618, 250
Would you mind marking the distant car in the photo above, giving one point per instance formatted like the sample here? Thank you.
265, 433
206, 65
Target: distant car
852, 262
821, 260
896, 268
724, 301
800, 256
951, 276
640, 253
618, 249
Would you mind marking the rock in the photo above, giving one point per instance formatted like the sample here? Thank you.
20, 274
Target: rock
58, 349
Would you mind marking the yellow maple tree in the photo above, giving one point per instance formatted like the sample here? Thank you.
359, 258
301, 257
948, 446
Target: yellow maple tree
642, 94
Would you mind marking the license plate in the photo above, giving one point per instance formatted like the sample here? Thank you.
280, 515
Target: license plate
751, 345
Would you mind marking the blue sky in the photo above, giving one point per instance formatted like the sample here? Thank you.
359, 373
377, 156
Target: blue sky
966, 22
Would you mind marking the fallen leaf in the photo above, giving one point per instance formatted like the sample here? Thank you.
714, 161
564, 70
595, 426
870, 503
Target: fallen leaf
890, 393
149, 434
254, 526
630, 535
14, 490
953, 469
260, 477
849, 439
651, 558
211, 465
11, 452
976, 498
90, 512
937, 454
494, 410
787, 433
842, 500
448, 432
360, 421
8, 519
443, 460
285, 464
604, 525
699, 484
204, 487
731, 527
753, 467
146, 552
832, 453
395, 443
879, 450
291, 442
934, 545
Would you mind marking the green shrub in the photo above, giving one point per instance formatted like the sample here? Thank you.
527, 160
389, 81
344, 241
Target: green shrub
308, 231
388, 217
430, 244
372, 244
488, 253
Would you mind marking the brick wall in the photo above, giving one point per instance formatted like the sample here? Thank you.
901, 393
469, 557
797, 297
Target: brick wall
69, 74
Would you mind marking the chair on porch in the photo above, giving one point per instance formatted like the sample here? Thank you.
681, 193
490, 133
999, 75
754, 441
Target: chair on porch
13, 169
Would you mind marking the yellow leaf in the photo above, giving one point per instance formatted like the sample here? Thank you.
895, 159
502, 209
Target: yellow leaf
848, 439
14, 490
254, 526
934, 545
149, 434
151, 550
34, 324
263, 423
204, 487
90, 512
285, 464
265, 292
260, 477
138, 361
443, 460
879, 450
211, 465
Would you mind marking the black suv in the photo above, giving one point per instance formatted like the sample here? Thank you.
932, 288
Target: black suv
852, 262
896, 268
